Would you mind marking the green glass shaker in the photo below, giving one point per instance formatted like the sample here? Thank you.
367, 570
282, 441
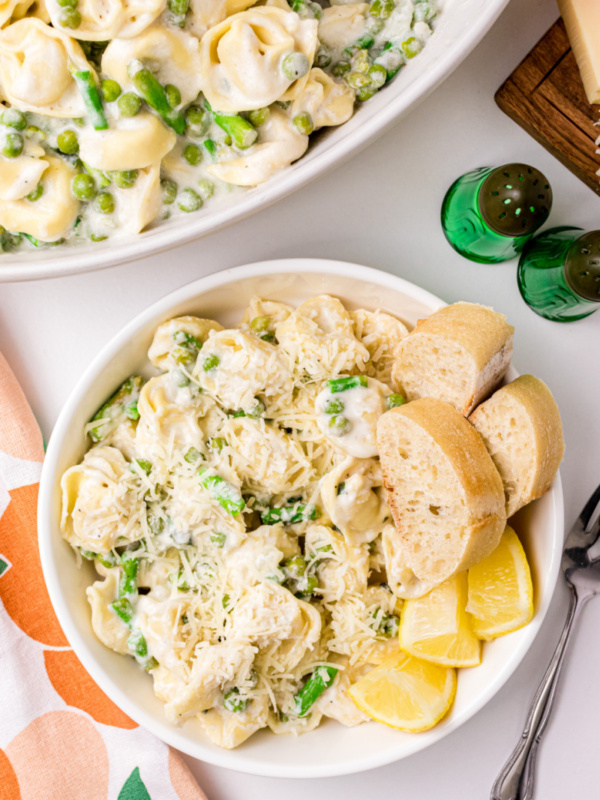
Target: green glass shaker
559, 274
489, 215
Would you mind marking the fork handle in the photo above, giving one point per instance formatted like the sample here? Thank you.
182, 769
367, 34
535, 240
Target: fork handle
516, 779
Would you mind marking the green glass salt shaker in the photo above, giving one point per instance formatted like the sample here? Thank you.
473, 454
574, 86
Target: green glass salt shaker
489, 215
559, 274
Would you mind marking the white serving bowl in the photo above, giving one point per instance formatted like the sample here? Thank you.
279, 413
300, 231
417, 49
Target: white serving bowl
460, 27
331, 749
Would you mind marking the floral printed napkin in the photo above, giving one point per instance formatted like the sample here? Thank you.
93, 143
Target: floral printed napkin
61, 738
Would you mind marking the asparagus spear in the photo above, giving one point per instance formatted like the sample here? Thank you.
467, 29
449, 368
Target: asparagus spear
91, 97
155, 95
225, 493
343, 384
321, 679
241, 131
122, 404
123, 609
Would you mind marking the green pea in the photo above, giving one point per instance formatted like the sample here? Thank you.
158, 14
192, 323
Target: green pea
334, 406
32, 131
35, 194
197, 120
341, 68
169, 191
129, 104
357, 80
424, 12
366, 93
105, 203
192, 154
67, 142
111, 90
377, 75
323, 57
259, 116
375, 25
192, 455
303, 123
79, 121
83, 187
394, 400
310, 584
218, 443
13, 118
13, 145
338, 425
218, 538
189, 200
207, 188
361, 62
382, 8
294, 566
70, 18
68, 3
173, 95
125, 179
295, 65
257, 410
411, 47
211, 362
260, 324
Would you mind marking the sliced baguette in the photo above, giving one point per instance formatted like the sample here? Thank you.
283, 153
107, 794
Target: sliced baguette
458, 354
443, 489
521, 428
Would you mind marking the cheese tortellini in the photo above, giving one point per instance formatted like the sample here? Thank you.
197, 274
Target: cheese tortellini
102, 20
146, 111
35, 64
245, 560
242, 58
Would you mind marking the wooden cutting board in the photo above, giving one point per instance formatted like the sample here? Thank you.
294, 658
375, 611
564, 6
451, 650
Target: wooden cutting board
545, 96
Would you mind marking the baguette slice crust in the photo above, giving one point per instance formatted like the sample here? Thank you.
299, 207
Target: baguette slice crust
521, 428
445, 493
458, 354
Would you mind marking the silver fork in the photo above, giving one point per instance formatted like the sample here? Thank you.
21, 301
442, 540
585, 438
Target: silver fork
581, 567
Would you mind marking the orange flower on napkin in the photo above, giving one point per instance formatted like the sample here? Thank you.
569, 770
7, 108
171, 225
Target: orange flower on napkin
61, 738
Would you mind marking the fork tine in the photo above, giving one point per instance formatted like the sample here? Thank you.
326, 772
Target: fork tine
589, 509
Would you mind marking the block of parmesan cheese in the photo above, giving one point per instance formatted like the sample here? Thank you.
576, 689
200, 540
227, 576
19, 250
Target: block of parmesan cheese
582, 20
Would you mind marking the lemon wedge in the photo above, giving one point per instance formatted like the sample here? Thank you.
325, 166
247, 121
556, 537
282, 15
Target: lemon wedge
405, 693
500, 591
436, 626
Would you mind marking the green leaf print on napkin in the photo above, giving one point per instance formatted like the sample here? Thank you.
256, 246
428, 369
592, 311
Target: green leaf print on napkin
4, 565
133, 788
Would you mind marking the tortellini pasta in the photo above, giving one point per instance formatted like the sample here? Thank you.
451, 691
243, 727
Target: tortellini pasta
242, 58
327, 101
173, 55
99, 502
102, 20
381, 334
352, 495
172, 348
236, 368
249, 563
342, 25
205, 14
35, 62
136, 143
13, 10
280, 145
320, 338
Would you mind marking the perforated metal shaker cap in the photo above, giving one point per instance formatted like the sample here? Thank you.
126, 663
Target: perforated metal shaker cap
515, 200
582, 266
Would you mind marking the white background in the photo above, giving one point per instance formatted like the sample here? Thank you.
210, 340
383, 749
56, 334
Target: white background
382, 209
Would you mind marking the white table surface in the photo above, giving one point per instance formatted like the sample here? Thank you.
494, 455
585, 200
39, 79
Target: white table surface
382, 209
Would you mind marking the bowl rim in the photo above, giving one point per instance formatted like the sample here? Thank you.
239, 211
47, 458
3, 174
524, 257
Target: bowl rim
69, 262
236, 760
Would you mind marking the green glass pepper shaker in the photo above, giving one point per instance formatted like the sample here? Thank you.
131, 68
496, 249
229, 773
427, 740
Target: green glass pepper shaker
559, 274
489, 215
